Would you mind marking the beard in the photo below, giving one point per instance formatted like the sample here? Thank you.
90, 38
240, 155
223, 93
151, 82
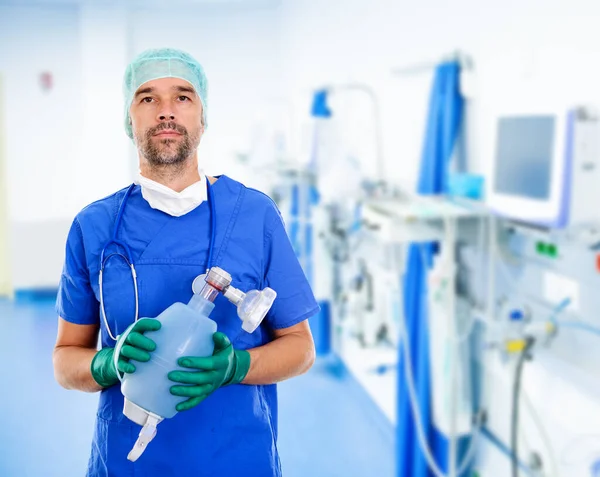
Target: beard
168, 151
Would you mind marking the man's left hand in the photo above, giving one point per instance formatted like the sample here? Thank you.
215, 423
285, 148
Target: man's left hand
226, 366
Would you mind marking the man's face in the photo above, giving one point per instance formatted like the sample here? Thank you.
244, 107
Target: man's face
166, 117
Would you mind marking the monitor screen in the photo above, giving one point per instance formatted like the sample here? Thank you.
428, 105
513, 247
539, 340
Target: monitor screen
523, 162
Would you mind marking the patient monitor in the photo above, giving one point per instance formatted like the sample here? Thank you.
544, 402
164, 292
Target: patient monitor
545, 167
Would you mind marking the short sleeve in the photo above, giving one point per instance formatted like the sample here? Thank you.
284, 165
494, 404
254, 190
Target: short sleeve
76, 301
295, 301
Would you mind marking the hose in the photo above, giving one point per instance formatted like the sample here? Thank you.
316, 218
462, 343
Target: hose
514, 426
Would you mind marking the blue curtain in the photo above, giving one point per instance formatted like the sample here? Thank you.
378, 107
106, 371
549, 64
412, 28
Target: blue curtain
443, 125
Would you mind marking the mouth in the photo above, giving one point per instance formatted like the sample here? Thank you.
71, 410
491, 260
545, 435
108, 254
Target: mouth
167, 133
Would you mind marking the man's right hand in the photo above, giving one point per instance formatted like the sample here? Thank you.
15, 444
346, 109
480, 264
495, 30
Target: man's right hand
136, 347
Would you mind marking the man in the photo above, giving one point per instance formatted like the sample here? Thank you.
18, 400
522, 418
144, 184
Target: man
227, 424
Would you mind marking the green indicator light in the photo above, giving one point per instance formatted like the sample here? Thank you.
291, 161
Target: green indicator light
540, 247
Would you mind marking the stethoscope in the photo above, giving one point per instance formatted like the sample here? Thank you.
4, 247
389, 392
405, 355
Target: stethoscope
127, 257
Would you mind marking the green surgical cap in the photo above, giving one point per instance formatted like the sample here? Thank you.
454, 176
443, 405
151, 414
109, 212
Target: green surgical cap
162, 63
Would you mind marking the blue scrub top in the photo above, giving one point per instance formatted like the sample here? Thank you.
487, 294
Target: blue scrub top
234, 431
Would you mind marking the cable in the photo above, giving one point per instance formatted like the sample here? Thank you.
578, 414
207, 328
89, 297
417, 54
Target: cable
526, 401
579, 326
570, 324
514, 426
557, 310
495, 253
416, 411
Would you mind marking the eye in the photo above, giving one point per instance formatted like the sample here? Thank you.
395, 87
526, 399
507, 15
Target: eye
183, 98
147, 99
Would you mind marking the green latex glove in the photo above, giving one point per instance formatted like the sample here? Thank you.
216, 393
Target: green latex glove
226, 366
136, 347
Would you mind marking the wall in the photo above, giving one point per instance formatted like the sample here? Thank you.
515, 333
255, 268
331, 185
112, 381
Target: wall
43, 131
43, 128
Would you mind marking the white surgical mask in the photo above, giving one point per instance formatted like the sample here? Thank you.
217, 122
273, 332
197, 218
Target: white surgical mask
166, 200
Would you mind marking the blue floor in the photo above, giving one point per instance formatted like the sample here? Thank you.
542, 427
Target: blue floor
328, 427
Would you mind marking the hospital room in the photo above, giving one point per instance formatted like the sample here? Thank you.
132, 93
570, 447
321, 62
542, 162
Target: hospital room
339, 238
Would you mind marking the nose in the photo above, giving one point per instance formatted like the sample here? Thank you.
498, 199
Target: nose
166, 115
